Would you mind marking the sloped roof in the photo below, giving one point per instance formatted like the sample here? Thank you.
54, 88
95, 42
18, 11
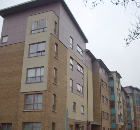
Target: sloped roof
37, 3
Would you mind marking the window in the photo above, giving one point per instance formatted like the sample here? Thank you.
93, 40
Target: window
53, 126
33, 101
79, 50
35, 75
79, 68
103, 128
71, 42
54, 102
104, 84
112, 118
55, 27
56, 49
82, 128
137, 109
79, 88
7, 126
37, 49
4, 39
71, 127
106, 101
102, 114
82, 109
102, 98
55, 73
117, 91
106, 115
71, 63
31, 126
39, 26
74, 107
71, 85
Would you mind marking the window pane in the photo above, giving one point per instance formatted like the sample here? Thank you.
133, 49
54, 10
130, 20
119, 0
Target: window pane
36, 126
42, 23
38, 98
28, 99
3, 126
32, 54
4, 39
42, 71
39, 106
35, 25
28, 107
33, 48
31, 72
41, 46
9, 126
27, 126
29, 80
38, 72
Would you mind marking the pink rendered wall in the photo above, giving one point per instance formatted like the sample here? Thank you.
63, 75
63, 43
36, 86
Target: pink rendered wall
15, 25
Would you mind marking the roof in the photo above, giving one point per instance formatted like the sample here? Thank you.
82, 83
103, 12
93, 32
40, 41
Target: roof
90, 54
116, 73
102, 64
37, 3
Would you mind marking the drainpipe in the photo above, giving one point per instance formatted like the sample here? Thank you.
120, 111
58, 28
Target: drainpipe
87, 98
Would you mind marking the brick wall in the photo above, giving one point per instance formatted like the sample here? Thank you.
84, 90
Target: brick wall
11, 60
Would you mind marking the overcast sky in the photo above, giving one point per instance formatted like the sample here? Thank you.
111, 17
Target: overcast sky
105, 27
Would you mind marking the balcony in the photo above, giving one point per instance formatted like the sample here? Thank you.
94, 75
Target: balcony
112, 97
112, 110
111, 83
113, 125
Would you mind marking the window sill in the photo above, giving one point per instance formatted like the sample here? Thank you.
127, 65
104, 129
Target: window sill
34, 82
82, 113
54, 111
56, 57
54, 83
32, 110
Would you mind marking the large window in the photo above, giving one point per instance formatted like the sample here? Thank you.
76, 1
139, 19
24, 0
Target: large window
37, 49
71, 63
31, 126
71, 42
79, 50
35, 75
82, 109
71, 85
4, 39
79, 68
7, 126
39, 26
54, 102
33, 101
74, 107
79, 88
55, 75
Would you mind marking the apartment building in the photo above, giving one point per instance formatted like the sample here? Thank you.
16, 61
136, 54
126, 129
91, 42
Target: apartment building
125, 118
49, 80
116, 101
43, 69
133, 96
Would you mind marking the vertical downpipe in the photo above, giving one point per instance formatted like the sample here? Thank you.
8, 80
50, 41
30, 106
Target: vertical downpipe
66, 120
87, 98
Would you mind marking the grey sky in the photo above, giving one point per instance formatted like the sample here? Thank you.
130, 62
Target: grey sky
105, 28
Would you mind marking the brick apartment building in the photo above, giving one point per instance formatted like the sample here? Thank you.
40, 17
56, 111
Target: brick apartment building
48, 79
